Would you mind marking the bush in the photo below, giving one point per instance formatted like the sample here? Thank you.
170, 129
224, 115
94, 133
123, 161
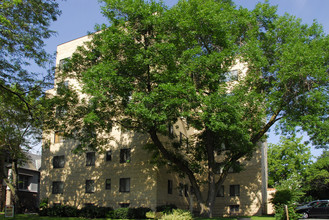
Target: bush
70, 211
177, 214
166, 208
122, 213
94, 212
139, 213
59, 211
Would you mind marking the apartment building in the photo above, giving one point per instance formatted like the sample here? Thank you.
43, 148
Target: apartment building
122, 176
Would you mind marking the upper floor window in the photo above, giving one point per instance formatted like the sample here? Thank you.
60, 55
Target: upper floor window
220, 192
23, 182
59, 161
124, 185
108, 155
170, 186
62, 87
58, 137
125, 155
60, 111
234, 190
58, 187
90, 186
108, 184
181, 189
63, 64
183, 140
232, 75
90, 159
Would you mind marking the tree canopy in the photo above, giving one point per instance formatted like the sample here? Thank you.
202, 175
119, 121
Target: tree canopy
24, 26
229, 73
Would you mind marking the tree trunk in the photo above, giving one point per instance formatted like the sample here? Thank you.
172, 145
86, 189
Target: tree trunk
14, 189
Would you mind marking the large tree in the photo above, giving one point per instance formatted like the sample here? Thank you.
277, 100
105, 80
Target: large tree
24, 27
153, 65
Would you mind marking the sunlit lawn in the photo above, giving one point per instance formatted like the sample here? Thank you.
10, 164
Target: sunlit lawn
32, 217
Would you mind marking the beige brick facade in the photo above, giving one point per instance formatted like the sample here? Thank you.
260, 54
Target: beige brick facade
148, 183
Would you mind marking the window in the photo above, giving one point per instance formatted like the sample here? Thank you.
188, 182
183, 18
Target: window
108, 184
125, 156
60, 111
234, 209
90, 186
232, 75
58, 161
220, 192
234, 190
171, 130
90, 159
186, 190
183, 140
58, 187
169, 186
218, 168
181, 189
23, 182
124, 185
63, 64
124, 205
58, 138
62, 87
108, 155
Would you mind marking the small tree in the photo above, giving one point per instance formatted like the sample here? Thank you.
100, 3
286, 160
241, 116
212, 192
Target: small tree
288, 192
288, 158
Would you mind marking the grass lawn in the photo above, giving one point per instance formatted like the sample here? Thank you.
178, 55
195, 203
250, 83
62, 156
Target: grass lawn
33, 217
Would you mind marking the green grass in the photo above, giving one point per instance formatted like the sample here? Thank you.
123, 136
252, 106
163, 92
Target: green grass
36, 217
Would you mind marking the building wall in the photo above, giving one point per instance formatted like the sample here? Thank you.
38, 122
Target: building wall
75, 173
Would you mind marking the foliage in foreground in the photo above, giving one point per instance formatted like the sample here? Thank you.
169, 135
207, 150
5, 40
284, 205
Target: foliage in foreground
289, 193
177, 214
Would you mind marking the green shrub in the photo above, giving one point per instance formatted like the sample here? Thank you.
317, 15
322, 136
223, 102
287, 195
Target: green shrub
70, 211
166, 208
177, 214
43, 203
140, 213
94, 212
59, 211
122, 213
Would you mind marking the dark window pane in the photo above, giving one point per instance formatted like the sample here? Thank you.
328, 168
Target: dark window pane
181, 189
234, 209
90, 186
108, 184
170, 185
124, 185
59, 161
108, 155
220, 193
90, 159
234, 190
23, 182
125, 156
58, 187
